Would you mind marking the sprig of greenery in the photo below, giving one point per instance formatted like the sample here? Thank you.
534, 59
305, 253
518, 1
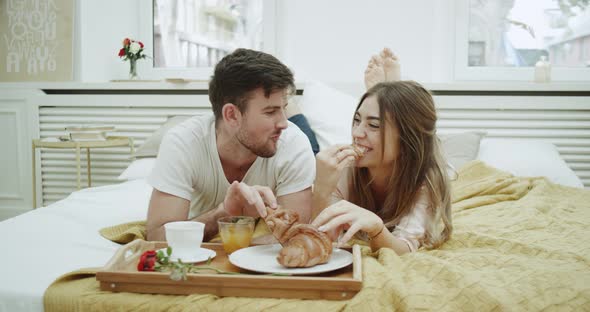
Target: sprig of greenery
179, 270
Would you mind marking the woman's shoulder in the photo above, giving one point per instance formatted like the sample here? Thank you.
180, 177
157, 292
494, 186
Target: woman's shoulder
420, 211
424, 205
423, 196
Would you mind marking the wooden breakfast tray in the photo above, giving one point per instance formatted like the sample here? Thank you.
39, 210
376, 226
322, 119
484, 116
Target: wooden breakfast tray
120, 275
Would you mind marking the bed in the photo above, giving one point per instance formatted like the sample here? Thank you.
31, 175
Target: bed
504, 225
520, 243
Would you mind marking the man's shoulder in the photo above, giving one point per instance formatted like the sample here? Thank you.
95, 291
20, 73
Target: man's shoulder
292, 135
292, 142
195, 128
191, 137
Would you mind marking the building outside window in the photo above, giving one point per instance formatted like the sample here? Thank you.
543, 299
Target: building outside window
495, 34
198, 33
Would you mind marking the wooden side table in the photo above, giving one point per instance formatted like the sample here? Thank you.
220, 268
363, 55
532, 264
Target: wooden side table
113, 141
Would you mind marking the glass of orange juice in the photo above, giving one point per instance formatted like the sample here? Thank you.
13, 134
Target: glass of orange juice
236, 232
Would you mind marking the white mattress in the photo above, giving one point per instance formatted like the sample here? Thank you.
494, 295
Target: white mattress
43, 244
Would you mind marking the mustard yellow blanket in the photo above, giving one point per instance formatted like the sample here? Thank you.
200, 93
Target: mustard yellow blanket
519, 244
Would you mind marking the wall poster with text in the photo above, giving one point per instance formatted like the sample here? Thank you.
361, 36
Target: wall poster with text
36, 40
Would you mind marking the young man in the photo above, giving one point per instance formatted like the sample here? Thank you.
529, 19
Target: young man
236, 161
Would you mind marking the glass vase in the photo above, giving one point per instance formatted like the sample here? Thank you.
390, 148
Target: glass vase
133, 69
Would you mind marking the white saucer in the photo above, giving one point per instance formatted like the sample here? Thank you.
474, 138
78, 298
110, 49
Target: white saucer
203, 254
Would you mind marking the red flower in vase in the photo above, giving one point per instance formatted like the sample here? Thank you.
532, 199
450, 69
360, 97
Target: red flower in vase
132, 50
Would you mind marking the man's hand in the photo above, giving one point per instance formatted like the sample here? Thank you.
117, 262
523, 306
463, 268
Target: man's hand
244, 200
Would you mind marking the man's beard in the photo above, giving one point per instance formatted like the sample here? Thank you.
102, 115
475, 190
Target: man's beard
260, 150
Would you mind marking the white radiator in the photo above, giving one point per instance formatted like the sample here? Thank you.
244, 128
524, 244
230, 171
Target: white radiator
561, 120
564, 121
136, 116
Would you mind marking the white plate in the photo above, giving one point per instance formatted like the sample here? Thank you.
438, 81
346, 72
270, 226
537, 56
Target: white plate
263, 259
202, 255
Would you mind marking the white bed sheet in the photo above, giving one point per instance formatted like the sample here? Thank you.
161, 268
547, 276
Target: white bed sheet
41, 245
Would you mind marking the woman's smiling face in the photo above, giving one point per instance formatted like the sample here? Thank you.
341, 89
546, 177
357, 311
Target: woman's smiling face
366, 134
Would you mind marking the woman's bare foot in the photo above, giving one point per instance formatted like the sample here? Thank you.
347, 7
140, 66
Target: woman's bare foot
390, 65
374, 73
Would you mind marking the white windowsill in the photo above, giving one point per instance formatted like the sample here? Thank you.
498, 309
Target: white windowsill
203, 85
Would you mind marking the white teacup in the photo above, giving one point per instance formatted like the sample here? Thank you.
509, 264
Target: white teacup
185, 238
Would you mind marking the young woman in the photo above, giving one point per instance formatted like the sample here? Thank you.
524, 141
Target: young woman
391, 186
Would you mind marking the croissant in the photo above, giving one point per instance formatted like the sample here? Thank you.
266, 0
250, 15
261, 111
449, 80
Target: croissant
279, 221
303, 245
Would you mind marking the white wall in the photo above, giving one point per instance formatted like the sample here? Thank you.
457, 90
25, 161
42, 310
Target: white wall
332, 40
101, 27
329, 40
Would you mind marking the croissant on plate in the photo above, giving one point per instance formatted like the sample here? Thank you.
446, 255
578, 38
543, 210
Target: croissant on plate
303, 245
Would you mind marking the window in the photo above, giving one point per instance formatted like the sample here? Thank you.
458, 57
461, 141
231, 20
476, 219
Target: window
503, 39
189, 37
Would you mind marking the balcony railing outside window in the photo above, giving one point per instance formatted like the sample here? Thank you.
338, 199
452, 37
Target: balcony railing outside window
198, 33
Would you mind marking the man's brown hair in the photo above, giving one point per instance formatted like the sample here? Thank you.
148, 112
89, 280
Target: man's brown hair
243, 71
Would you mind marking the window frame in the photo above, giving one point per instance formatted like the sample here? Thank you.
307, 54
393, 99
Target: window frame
465, 72
146, 35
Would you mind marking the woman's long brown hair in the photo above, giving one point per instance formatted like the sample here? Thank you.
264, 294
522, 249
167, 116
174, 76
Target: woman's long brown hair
419, 162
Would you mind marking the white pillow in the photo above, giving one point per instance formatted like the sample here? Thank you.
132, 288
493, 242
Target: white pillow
151, 146
329, 113
528, 158
461, 148
138, 169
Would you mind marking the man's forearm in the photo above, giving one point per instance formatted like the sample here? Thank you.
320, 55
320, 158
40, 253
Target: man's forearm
156, 234
210, 220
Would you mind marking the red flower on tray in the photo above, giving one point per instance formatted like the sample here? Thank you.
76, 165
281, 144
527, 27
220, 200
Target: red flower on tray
160, 262
147, 261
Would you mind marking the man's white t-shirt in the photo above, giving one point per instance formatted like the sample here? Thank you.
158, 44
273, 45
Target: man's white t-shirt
188, 165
